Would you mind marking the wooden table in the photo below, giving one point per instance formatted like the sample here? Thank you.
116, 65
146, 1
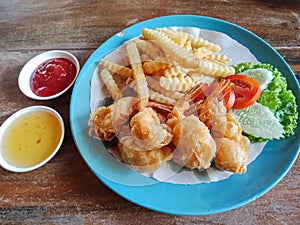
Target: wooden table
65, 191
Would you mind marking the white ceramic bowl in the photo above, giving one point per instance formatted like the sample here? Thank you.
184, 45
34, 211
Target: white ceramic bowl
31, 65
7, 123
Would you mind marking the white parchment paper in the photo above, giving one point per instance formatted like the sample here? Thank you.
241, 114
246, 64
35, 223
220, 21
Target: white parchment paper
172, 172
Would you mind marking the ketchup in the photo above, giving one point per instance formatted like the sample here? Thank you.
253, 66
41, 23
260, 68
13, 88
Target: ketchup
52, 77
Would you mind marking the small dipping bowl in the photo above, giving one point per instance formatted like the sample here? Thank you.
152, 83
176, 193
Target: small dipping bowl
25, 76
30, 137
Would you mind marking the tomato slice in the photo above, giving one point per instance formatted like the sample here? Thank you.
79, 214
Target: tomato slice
246, 90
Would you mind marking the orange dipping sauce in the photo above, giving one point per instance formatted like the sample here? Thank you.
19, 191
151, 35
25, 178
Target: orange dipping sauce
31, 139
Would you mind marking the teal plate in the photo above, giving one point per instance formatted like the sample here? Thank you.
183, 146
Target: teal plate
200, 199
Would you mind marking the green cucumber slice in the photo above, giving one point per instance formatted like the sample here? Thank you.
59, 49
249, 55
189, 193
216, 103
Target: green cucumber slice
262, 76
258, 120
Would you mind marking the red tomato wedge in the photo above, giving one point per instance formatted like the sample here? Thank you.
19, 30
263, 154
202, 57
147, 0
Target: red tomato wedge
246, 90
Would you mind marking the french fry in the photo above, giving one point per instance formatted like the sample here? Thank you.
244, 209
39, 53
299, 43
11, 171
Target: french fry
214, 69
116, 68
155, 85
177, 83
148, 47
188, 45
110, 84
178, 39
221, 59
196, 42
203, 52
151, 67
155, 96
176, 71
180, 55
138, 74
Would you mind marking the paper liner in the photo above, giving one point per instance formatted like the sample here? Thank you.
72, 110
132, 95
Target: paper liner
172, 172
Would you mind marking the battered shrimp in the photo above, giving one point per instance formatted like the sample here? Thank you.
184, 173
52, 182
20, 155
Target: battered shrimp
195, 147
146, 132
100, 125
145, 161
233, 147
106, 121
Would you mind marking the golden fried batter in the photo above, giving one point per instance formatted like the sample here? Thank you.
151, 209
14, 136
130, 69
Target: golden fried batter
195, 147
145, 161
233, 148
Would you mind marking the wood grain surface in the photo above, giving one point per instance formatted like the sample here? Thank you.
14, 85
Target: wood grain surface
65, 191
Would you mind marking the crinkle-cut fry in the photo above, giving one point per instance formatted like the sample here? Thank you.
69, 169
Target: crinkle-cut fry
157, 97
176, 71
177, 83
138, 74
110, 84
203, 52
213, 69
188, 45
151, 67
180, 55
147, 47
178, 39
155, 85
221, 59
116, 68
198, 42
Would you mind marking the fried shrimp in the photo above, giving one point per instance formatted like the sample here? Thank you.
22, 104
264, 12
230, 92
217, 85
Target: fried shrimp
100, 125
195, 147
146, 132
144, 146
106, 121
232, 146
145, 161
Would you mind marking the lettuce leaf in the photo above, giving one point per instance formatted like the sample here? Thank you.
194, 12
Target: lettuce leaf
277, 98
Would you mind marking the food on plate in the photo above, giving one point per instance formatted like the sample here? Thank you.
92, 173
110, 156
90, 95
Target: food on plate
110, 84
278, 118
195, 147
117, 68
105, 122
178, 101
246, 89
232, 146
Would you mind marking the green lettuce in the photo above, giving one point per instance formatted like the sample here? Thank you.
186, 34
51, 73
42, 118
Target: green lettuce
277, 98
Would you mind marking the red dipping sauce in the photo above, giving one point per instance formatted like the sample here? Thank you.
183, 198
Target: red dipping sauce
52, 77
